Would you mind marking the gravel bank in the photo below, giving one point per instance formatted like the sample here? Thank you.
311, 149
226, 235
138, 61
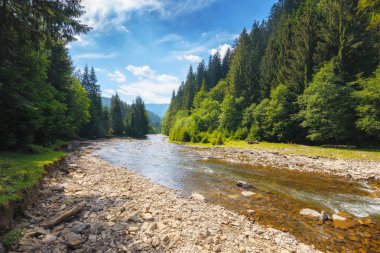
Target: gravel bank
125, 212
350, 168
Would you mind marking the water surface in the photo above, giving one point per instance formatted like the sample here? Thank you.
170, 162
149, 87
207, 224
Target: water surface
280, 193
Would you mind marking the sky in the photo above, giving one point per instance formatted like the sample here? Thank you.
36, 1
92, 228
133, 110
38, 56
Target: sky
145, 47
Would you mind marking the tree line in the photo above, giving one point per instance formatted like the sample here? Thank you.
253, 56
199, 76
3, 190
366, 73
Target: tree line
309, 73
42, 98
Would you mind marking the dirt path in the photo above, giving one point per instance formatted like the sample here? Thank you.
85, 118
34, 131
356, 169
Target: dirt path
126, 212
350, 168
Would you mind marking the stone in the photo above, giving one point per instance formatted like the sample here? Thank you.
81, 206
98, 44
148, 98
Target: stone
218, 248
250, 211
49, 240
165, 238
80, 228
133, 229
147, 217
242, 249
152, 227
2, 249
133, 216
205, 233
324, 217
247, 193
338, 217
344, 224
310, 213
57, 188
92, 238
73, 240
197, 196
244, 184
156, 241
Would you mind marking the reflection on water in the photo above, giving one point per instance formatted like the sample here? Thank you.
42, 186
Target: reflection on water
281, 194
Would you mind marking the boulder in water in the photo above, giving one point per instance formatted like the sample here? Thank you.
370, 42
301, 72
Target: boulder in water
244, 184
310, 213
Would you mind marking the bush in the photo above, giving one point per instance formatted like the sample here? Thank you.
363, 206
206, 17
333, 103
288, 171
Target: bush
11, 237
240, 134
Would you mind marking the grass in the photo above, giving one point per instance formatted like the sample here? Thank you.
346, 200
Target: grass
19, 171
295, 149
11, 237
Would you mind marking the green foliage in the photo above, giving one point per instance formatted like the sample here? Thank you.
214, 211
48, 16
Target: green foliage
326, 106
116, 115
137, 123
11, 237
288, 79
35, 70
229, 114
368, 108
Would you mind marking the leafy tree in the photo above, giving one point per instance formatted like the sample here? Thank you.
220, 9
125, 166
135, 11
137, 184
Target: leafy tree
326, 106
116, 115
229, 114
368, 108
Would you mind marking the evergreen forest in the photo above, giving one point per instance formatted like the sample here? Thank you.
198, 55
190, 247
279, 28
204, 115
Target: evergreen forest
309, 73
43, 98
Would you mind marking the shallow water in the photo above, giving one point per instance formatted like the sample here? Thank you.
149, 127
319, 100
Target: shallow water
280, 194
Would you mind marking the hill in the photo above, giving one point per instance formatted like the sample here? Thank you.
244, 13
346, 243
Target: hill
159, 109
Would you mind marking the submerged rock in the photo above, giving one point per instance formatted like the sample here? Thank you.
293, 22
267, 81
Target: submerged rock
244, 184
323, 217
310, 213
338, 217
247, 193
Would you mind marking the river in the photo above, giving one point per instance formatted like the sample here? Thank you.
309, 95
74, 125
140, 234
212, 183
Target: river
281, 194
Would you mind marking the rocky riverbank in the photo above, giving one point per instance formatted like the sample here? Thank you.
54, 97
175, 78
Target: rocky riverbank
350, 168
125, 212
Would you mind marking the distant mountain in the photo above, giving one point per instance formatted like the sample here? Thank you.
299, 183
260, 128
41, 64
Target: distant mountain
154, 118
159, 109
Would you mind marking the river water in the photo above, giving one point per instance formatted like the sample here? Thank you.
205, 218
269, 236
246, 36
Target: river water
280, 194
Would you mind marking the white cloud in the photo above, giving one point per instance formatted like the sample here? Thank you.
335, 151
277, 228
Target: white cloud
144, 71
112, 14
190, 57
117, 76
82, 41
222, 49
170, 38
95, 56
100, 70
108, 93
152, 87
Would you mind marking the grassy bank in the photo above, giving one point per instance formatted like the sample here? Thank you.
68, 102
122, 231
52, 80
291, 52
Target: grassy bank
19, 171
295, 149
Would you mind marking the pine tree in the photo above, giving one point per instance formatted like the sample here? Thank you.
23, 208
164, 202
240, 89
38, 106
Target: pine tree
116, 115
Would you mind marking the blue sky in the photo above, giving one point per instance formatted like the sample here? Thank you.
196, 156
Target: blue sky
145, 47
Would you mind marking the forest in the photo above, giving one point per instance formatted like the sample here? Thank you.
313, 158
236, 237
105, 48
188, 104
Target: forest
309, 73
43, 98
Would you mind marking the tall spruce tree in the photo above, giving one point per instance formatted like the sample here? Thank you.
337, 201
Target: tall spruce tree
116, 115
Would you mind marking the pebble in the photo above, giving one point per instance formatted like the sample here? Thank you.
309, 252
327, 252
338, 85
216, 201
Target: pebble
49, 239
247, 193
